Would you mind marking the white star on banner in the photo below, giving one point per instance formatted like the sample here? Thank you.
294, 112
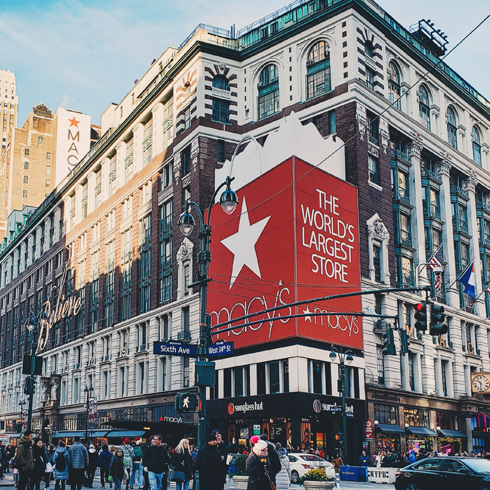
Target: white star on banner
242, 244
307, 312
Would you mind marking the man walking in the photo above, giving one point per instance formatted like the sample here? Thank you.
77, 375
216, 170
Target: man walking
209, 464
78, 463
220, 446
155, 462
105, 457
25, 459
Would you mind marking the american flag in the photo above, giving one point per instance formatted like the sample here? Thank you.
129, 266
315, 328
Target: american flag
435, 262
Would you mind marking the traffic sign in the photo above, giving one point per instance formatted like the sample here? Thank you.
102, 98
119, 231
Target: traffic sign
220, 348
174, 349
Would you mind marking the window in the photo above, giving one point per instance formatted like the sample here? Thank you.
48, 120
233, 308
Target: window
221, 111
452, 135
317, 377
368, 49
48, 155
394, 91
370, 77
476, 143
268, 87
24, 194
407, 271
167, 175
424, 109
373, 175
186, 161
318, 80
405, 229
147, 142
48, 182
48, 169
385, 414
377, 262
40, 140
221, 151
187, 118
112, 175
26, 165
128, 161
380, 359
332, 126
26, 152
403, 186
26, 179
416, 417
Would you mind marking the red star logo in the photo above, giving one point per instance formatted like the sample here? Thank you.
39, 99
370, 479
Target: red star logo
73, 122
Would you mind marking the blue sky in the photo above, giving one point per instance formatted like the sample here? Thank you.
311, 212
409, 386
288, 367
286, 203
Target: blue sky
86, 54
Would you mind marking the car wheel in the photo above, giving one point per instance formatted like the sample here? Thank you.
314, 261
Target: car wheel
294, 476
412, 486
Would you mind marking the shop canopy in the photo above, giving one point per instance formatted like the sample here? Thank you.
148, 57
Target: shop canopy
126, 433
73, 433
451, 433
390, 429
12, 436
422, 431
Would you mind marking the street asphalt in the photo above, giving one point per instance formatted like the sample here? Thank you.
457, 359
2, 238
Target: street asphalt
344, 485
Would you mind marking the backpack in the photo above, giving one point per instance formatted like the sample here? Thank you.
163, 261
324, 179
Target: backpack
60, 462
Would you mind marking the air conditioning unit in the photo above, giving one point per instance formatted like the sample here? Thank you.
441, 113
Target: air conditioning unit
106, 358
143, 347
470, 347
77, 366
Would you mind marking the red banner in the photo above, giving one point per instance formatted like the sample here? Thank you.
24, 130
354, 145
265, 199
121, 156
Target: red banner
368, 430
294, 236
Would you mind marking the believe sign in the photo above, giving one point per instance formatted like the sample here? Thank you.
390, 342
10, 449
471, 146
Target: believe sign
294, 236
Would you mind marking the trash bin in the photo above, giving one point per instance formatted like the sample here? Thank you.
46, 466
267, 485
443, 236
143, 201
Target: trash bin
353, 473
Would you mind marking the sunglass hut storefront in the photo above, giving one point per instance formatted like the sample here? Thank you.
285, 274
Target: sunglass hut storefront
296, 420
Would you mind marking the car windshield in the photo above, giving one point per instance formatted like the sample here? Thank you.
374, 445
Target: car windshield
479, 465
310, 457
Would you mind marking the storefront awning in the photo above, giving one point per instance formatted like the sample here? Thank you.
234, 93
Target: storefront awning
451, 433
126, 433
68, 433
97, 433
13, 436
390, 429
422, 431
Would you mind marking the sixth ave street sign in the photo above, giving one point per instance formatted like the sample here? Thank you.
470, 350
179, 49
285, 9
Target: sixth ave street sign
174, 349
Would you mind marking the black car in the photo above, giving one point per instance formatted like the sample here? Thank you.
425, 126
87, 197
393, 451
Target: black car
446, 473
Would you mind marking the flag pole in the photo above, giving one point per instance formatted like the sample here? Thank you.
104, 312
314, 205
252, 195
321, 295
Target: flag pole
457, 278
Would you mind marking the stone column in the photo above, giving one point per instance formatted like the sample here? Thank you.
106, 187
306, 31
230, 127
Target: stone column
470, 186
91, 192
105, 169
450, 380
416, 191
444, 168
138, 134
438, 374
120, 166
157, 130
78, 204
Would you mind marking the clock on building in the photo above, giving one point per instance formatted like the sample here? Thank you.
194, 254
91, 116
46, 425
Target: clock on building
480, 383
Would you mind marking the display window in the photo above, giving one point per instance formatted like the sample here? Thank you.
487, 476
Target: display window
449, 445
418, 443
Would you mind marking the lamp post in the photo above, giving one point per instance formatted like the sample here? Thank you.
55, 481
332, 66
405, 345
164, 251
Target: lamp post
31, 325
88, 390
21, 405
228, 202
344, 357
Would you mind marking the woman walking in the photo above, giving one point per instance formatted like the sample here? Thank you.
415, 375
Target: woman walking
283, 478
50, 459
116, 470
61, 466
258, 468
182, 461
40, 460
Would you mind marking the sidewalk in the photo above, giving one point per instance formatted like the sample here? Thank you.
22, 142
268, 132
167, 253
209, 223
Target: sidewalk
8, 480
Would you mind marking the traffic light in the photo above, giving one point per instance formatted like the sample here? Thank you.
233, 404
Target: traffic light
389, 343
339, 437
437, 317
421, 316
185, 402
404, 342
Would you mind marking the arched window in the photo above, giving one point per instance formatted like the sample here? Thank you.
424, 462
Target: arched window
394, 84
452, 135
221, 107
318, 70
424, 109
268, 91
476, 142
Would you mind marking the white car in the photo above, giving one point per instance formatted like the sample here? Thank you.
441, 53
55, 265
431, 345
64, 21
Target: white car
301, 463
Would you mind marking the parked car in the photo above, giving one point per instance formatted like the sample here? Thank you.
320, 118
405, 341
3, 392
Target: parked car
448, 473
301, 463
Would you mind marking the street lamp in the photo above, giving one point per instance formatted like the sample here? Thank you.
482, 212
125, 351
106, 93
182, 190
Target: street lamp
31, 325
88, 391
345, 357
21, 405
228, 202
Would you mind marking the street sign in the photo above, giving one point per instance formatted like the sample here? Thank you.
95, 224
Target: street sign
220, 348
174, 349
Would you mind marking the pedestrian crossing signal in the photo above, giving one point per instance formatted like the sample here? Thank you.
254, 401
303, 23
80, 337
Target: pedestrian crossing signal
185, 402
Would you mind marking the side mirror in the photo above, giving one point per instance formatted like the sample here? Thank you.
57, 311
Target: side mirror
463, 471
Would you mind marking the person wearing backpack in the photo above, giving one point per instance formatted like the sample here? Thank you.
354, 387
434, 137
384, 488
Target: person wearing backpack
137, 473
25, 460
61, 466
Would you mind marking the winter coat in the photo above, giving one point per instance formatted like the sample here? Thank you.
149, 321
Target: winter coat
137, 453
128, 454
62, 475
183, 462
258, 472
156, 459
25, 460
78, 455
50, 455
412, 458
224, 467
273, 460
116, 468
208, 462
337, 462
40, 460
364, 460
283, 478
105, 458
93, 459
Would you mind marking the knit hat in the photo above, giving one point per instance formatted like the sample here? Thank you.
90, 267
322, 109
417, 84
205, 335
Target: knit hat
210, 437
91, 446
126, 441
254, 439
259, 447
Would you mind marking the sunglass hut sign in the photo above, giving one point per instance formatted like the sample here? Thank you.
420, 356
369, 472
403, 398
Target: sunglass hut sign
299, 243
